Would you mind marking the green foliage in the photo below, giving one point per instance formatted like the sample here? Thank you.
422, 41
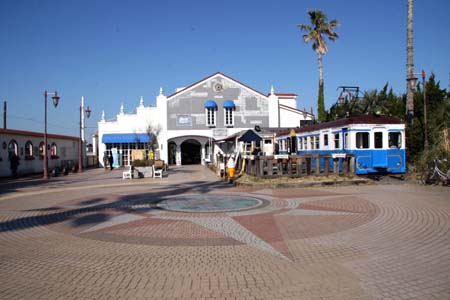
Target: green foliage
438, 118
426, 160
315, 33
387, 103
321, 104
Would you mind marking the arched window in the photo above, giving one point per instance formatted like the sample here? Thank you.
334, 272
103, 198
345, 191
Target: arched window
228, 108
29, 150
54, 151
210, 113
13, 148
41, 150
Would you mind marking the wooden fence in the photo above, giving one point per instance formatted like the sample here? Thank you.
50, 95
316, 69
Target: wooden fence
296, 165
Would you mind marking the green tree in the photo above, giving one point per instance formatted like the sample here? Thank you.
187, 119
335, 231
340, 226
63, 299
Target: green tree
315, 33
438, 119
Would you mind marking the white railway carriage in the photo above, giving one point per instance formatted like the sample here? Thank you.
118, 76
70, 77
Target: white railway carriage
376, 142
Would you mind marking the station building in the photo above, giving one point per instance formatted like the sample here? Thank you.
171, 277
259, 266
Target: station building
182, 127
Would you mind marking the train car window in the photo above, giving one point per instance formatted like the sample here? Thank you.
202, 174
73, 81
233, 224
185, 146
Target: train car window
378, 140
362, 140
317, 142
395, 140
325, 139
336, 141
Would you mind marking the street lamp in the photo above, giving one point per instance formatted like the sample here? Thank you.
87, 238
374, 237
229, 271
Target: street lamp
412, 81
55, 99
425, 142
80, 143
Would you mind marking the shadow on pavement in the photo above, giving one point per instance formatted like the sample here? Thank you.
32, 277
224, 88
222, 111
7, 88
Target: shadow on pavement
94, 213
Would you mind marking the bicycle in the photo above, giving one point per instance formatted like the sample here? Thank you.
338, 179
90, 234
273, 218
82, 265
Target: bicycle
434, 175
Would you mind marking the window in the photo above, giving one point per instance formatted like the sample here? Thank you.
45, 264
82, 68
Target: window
317, 142
210, 116
311, 142
300, 143
54, 151
229, 116
29, 150
336, 141
41, 150
325, 139
13, 148
395, 140
378, 140
305, 143
362, 140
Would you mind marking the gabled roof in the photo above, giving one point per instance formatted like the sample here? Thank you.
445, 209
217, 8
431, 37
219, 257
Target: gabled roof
250, 136
211, 76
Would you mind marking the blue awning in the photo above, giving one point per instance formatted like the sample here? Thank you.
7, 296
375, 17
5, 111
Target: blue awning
210, 104
229, 104
120, 138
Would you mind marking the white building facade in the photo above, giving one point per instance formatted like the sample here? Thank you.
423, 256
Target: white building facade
29, 148
186, 123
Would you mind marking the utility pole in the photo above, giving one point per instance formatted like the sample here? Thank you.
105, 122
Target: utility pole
409, 65
4, 114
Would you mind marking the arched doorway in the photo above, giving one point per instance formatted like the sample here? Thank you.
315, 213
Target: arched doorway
172, 153
191, 152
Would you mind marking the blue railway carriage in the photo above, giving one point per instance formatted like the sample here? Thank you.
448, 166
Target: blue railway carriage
376, 142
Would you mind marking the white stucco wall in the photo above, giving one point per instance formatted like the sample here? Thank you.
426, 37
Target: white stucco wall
67, 150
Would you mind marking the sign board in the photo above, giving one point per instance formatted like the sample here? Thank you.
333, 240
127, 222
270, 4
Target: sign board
184, 120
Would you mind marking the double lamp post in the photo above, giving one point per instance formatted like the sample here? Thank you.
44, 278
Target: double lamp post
55, 99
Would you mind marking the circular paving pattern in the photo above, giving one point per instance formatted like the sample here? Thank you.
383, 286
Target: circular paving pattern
210, 203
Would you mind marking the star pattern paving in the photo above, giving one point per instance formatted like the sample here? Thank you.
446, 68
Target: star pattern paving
267, 228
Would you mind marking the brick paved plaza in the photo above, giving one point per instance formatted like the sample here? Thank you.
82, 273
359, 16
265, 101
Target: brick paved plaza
95, 236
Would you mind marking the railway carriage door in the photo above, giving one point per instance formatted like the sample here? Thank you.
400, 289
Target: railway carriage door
379, 158
293, 140
345, 139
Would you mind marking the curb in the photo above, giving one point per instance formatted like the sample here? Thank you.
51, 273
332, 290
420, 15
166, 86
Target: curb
303, 184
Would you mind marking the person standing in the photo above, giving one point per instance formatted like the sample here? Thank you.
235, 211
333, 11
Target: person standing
111, 161
105, 160
13, 164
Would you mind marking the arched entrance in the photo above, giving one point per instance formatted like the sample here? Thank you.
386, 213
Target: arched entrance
191, 152
172, 153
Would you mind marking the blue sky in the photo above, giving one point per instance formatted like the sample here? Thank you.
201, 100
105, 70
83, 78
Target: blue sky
113, 52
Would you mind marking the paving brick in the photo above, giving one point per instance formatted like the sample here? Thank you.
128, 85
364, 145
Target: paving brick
94, 236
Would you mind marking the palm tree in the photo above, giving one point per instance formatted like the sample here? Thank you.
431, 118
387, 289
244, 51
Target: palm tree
409, 63
315, 34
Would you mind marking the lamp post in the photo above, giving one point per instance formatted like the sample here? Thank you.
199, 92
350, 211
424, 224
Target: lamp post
412, 81
80, 143
55, 99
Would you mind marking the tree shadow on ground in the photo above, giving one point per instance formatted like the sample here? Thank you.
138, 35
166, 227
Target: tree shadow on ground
96, 213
